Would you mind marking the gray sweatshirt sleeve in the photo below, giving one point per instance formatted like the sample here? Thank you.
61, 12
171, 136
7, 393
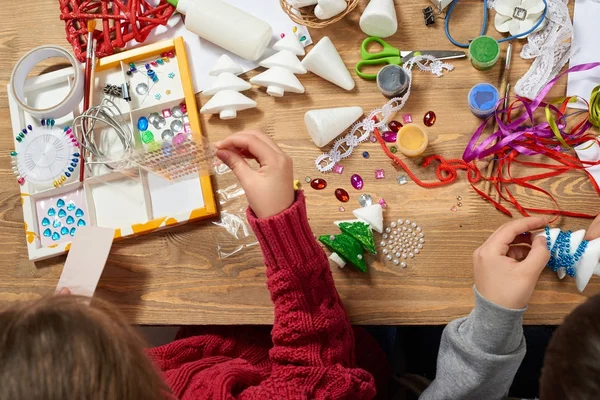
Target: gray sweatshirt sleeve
479, 354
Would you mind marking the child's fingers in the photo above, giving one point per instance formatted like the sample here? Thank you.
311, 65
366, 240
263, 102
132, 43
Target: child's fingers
259, 149
505, 235
261, 136
237, 164
538, 256
593, 231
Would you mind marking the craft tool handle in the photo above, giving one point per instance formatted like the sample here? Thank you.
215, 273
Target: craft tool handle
380, 61
387, 51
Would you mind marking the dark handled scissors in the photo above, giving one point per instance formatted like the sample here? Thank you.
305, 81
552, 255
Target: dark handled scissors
392, 55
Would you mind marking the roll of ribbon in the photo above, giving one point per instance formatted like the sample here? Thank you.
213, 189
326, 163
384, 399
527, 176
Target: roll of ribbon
26, 64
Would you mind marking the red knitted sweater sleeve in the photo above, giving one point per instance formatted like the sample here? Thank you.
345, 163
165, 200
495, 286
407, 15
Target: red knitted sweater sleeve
313, 352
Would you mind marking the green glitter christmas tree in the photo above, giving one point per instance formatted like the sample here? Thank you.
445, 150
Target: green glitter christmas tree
356, 237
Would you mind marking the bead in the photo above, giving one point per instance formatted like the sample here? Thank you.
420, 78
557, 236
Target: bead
342, 195
459, 204
382, 243
365, 200
414, 224
356, 181
81, 223
403, 265
307, 179
342, 209
393, 225
419, 246
398, 255
394, 149
70, 220
79, 213
394, 126
419, 229
372, 138
385, 251
421, 235
453, 209
396, 262
365, 154
407, 118
24, 131
31, 128
62, 213
154, 63
411, 255
45, 222
51, 212
129, 73
421, 240
379, 174
147, 66
407, 222
458, 198
338, 169
389, 136
382, 203
416, 251
19, 139
147, 137
21, 135
385, 236
72, 232
359, 256
331, 237
429, 118
387, 230
55, 236
404, 255
47, 232
43, 122
400, 221
64, 231
318, 184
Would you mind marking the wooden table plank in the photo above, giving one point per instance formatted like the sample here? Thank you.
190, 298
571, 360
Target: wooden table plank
175, 277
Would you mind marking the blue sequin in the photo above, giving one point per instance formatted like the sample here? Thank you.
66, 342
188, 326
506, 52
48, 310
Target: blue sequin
75, 154
45, 222
70, 220
51, 212
56, 223
62, 213
79, 213
68, 174
81, 223
60, 203
71, 169
64, 231
73, 165
70, 206
47, 232
73, 230
55, 236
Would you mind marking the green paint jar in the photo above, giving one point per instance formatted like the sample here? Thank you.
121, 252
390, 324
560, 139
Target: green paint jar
484, 52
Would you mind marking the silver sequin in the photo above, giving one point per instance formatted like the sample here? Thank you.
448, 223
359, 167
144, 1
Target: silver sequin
365, 200
141, 89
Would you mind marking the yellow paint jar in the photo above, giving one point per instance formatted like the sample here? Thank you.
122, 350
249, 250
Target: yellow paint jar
412, 140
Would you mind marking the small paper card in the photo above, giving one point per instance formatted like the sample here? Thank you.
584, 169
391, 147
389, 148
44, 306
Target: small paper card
86, 260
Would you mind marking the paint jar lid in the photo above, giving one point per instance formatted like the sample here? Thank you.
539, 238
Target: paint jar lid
484, 52
483, 99
392, 81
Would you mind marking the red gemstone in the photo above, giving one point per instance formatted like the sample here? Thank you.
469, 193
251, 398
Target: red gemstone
154, 64
394, 126
21, 181
342, 195
429, 118
318, 184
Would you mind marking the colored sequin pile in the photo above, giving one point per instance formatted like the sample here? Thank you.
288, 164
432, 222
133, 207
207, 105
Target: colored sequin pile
171, 132
402, 240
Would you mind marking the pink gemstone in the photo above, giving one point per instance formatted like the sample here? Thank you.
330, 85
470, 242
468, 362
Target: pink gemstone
338, 168
187, 128
183, 108
372, 138
394, 126
382, 203
178, 139
357, 182
342, 209
389, 136
154, 64
166, 113
69, 131
282, 35
379, 174
76, 144
453, 209
407, 118
21, 181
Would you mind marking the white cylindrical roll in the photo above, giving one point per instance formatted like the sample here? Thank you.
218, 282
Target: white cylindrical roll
226, 26
379, 18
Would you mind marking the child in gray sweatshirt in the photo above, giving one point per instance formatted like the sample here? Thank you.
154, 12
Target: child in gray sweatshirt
480, 354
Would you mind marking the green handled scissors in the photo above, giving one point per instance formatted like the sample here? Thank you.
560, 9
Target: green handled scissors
392, 55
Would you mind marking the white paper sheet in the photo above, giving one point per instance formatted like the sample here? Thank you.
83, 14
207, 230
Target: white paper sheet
203, 55
590, 151
586, 50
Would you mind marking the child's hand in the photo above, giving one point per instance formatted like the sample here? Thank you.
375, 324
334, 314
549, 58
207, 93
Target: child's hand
269, 188
505, 273
593, 232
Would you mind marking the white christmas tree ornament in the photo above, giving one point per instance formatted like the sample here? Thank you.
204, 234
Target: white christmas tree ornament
227, 81
227, 103
278, 80
372, 215
290, 43
284, 59
225, 64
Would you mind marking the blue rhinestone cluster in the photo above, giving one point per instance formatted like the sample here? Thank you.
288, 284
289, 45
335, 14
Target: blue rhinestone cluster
68, 225
560, 253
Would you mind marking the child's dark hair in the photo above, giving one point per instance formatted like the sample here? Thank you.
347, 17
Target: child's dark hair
572, 364
62, 348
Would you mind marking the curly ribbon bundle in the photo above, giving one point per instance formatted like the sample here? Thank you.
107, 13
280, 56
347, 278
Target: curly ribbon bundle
517, 137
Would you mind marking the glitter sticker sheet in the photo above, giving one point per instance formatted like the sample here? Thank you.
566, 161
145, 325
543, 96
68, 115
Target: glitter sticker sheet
59, 217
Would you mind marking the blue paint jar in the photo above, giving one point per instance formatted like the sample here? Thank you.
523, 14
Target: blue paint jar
483, 99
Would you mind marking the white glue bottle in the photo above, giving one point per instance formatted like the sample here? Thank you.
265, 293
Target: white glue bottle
226, 26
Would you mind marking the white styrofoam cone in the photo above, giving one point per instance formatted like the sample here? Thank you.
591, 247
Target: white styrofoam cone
303, 3
227, 81
225, 64
326, 124
290, 43
278, 80
326, 9
587, 264
338, 260
379, 18
372, 215
227, 103
285, 59
325, 61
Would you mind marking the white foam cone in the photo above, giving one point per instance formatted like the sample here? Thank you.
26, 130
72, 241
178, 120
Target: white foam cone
284, 59
326, 124
325, 61
278, 80
330, 8
379, 18
372, 215
587, 265
290, 43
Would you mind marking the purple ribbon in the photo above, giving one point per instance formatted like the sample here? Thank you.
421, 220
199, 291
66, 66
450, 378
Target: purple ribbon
512, 134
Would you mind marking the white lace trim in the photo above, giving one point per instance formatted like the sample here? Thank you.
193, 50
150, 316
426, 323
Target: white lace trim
361, 131
550, 48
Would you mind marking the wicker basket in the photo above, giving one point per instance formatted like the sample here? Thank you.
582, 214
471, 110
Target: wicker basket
306, 15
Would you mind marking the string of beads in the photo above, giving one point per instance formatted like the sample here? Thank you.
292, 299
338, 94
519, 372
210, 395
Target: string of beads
560, 252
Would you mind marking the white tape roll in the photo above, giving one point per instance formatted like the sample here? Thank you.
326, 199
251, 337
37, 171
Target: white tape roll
26, 64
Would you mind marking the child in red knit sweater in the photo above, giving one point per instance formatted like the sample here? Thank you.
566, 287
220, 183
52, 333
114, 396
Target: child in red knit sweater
59, 348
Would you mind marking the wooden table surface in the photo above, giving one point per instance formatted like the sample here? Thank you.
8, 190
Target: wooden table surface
175, 277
